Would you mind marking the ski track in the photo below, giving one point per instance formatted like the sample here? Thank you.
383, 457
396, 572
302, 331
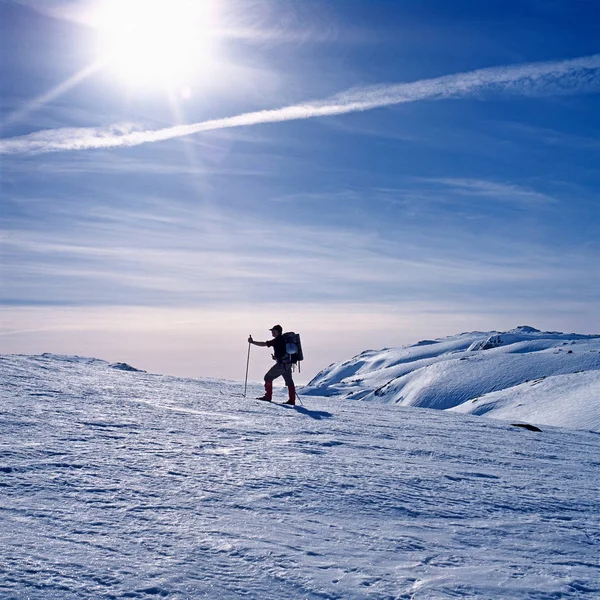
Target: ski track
131, 485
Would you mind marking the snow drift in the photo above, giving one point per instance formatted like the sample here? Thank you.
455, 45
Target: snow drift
458, 372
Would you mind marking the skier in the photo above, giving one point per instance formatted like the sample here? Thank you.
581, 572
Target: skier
282, 366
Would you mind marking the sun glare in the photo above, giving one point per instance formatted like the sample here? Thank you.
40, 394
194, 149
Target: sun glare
156, 42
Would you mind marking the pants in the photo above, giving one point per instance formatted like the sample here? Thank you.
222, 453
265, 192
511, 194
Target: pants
280, 369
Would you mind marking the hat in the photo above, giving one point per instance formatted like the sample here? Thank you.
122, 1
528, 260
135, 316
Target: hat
278, 327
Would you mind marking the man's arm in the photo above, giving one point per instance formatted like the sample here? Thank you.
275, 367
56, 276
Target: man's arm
251, 341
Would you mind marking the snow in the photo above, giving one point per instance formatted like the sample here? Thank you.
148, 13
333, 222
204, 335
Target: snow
491, 373
124, 484
565, 400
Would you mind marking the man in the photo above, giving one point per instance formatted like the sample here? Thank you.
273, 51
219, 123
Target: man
282, 366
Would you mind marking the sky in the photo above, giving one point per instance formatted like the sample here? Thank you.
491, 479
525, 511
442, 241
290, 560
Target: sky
178, 175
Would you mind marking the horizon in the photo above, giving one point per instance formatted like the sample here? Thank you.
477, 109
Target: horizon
367, 174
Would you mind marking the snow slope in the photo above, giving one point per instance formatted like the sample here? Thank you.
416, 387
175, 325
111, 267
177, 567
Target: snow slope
121, 484
452, 373
569, 400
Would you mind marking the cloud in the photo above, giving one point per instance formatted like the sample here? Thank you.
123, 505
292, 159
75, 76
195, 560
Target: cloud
54, 93
128, 260
553, 137
506, 192
569, 76
121, 165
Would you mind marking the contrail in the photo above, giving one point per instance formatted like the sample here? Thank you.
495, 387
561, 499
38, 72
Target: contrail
579, 75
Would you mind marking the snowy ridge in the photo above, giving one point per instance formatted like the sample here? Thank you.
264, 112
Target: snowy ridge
450, 373
58, 358
119, 484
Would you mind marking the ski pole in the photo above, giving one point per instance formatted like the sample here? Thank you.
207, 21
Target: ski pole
247, 365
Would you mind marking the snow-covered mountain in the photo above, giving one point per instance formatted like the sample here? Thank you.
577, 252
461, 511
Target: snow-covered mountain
548, 378
120, 484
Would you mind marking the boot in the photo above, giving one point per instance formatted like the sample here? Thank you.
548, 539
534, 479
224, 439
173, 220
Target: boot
292, 395
268, 392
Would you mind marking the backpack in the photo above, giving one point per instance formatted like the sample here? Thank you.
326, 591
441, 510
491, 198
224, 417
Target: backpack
293, 347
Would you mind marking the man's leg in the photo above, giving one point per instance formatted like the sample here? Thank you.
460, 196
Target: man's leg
273, 373
268, 391
287, 376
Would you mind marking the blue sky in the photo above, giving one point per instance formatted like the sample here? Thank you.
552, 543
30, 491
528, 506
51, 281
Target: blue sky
368, 173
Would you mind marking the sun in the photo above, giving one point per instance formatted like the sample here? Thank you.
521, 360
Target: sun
156, 42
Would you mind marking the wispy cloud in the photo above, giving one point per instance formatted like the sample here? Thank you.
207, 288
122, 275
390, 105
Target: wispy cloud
553, 137
419, 193
506, 192
133, 165
54, 93
570, 76
207, 260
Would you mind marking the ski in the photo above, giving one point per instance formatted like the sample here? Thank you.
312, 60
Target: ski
272, 402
